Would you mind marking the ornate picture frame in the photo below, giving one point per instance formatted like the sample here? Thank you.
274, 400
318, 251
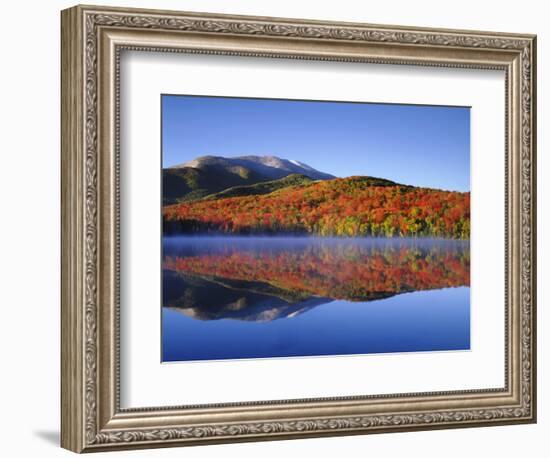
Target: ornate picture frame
92, 41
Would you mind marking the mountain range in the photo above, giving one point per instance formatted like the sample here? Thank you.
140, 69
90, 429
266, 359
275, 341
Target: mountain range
207, 175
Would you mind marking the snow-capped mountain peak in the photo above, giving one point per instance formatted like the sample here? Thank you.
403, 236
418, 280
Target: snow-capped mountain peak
270, 166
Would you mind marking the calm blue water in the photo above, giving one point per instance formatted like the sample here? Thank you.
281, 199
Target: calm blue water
236, 297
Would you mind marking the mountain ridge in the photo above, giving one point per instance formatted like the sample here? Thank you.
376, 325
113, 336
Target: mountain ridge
264, 187
207, 175
271, 166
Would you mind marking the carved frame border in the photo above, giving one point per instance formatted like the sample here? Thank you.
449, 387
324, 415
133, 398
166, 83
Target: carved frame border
91, 415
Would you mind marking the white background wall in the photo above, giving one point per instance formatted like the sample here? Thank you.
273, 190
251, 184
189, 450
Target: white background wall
29, 242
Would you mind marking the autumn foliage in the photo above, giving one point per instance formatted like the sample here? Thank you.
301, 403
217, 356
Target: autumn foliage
344, 207
349, 273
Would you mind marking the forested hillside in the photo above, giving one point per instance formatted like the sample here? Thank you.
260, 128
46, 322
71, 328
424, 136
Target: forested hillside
349, 207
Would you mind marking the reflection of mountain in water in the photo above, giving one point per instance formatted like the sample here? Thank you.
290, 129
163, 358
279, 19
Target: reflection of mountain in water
264, 283
211, 299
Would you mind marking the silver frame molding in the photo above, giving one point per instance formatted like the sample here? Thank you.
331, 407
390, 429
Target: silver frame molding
92, 40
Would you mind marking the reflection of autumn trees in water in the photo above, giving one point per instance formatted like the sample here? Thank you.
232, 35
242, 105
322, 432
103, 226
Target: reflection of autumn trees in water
350, 272
346, 207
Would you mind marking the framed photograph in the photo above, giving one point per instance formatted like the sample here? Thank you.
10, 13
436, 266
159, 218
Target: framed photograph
278, 228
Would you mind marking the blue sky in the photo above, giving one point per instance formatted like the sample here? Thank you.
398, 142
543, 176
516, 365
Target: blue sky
418, 145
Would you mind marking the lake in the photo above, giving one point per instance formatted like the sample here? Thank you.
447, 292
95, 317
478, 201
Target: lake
259, 297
